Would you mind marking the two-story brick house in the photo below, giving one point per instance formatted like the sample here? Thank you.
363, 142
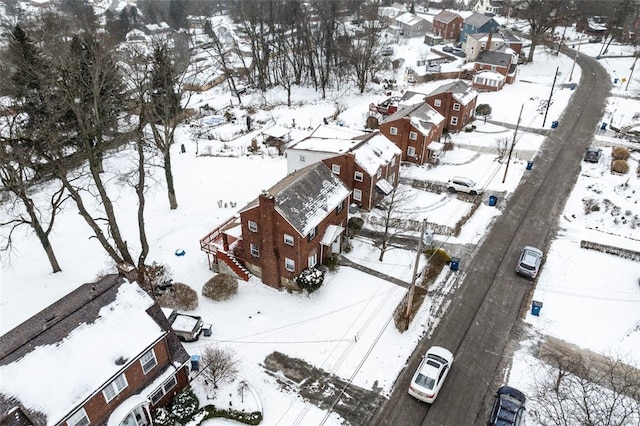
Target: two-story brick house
103, 354
415, 129
367, 162
447, 25
491, 66
456, 101
294, 225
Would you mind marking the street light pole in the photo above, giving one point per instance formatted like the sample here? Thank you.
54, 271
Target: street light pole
544, 120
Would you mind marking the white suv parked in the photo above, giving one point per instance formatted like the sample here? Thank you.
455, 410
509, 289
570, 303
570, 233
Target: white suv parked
462, 184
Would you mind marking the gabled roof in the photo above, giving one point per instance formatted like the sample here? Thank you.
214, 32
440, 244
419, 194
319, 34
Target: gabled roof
493, 57
422, 116
305, 197
446, 16
410, 19
377, 151
331, 138
503, 36
459, 89
477, 19
53, 362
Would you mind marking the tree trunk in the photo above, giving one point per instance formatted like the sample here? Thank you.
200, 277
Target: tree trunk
171, 192
43, 237
140, 186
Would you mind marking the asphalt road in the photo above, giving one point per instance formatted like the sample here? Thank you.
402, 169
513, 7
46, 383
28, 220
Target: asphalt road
491, 299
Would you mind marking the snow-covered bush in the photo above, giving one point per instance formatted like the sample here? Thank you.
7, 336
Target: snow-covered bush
179, 297
310, 279
161, 417
620, 153
220, 287
184, 406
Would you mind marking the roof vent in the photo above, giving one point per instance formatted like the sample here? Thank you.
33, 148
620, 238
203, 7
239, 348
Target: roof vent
121, 360
50, 318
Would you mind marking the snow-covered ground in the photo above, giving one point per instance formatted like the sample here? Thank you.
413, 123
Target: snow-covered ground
346, 327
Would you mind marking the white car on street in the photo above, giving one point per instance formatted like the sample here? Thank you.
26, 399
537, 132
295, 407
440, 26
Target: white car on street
430, 375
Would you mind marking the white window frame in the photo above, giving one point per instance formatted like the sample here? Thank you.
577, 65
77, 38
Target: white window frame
393, 130
164, 389
411, 152
357, 195
255, 250
312, 260
454, 120
379, 173
302, 159
79, 418
289, 264
393, 161
335, 168
148, 361
115, 387
413, 136
312, 234
358, 176
253, 226
456, 107
340, 207
437, 102
288, 240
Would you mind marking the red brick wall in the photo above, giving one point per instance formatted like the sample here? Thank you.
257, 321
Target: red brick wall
402, 141
97, 408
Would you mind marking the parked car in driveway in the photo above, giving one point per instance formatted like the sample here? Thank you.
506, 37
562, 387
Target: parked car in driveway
592, 155
430, 375
508, 407
463, 184
529, 262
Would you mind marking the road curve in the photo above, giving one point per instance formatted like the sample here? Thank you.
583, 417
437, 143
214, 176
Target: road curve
491, 298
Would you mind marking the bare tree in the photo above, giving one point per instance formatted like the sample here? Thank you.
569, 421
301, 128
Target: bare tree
222, 42
586, 390
220, 365
389, 215
502, 146
543, 16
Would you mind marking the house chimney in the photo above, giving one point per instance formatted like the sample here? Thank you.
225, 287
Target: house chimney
488, 46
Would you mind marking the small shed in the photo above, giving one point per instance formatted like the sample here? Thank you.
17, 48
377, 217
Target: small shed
277, 136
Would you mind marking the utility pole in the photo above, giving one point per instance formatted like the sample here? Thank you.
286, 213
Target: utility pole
575, 58
631, 74
412, 289
513, 144
544, 120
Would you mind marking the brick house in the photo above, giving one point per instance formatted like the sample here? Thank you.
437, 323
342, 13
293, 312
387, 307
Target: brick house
456, 101
367, 162
499, 62
447, 25
416, 130
296, 224
103, 354
488, 81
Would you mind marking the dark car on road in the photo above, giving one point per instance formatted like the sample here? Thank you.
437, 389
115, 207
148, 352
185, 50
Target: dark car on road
508, 407
592, 155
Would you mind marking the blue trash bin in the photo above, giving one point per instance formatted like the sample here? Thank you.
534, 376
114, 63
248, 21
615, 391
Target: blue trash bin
603, 126
554, 124
615, 81
529, 165
195, 362
454, 264
493, 200
573, 86
535, 308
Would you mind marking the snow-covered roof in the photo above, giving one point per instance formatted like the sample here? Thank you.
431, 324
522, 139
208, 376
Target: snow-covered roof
307, 196
477, 20
330, 138
460, 90
423, 116
445, 16
53, 362
377, 151
410, 19
489, 75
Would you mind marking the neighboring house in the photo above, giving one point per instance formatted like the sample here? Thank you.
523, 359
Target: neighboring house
479, 42
447, 26
410, 25
489, 7
104, 354
501, 62
592, 25
456, 101
478, 23
416, 130
294, 225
